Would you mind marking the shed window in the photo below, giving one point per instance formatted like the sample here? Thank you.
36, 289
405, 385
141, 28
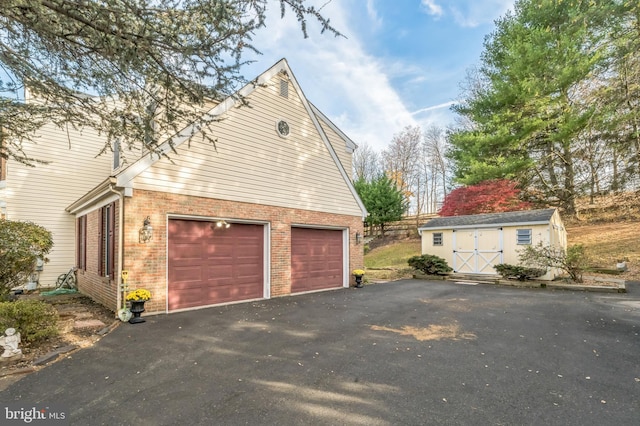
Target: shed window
437, 238
523, 236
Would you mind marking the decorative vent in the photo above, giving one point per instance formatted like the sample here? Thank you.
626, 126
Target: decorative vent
284, 88
282, 127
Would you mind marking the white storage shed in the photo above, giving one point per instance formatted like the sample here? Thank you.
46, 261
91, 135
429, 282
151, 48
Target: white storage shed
473, 244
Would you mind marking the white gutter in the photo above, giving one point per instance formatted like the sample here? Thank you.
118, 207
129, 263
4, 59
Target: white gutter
112, 182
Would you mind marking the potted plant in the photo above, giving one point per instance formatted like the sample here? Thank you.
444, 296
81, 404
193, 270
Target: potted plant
358, 273
137, 299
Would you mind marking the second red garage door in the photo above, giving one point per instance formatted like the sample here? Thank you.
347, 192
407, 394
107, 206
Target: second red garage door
316, 259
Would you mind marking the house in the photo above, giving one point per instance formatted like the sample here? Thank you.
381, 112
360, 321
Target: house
270, 211
473, 244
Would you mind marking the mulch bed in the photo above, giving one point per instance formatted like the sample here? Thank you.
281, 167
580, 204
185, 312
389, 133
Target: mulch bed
71, 309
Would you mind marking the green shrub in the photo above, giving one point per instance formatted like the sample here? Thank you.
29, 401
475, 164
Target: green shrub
34, 319
21, 244
521, 273
573, 261
430, 264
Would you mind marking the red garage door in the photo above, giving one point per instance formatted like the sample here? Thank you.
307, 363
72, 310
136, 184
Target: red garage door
316, 259
209, 264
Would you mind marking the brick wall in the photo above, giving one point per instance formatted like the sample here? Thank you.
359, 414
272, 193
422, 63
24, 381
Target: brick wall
147, 263
101, 289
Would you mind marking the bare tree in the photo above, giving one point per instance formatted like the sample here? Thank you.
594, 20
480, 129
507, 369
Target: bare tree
401, 162
434, 166
366, 163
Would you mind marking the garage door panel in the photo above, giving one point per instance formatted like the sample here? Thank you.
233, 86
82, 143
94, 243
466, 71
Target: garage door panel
187, 273
214, 265
316, 259
187, 299
188, 251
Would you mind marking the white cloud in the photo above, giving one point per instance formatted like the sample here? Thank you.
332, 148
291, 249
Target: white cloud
374, 18
432, 8
472, 13
337, 75
434, 107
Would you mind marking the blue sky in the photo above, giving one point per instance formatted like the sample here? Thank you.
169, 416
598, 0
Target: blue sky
401, 63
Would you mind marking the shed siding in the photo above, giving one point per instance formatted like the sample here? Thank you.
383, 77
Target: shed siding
40, 194
539, 234
553, 234
444, 251
252, 163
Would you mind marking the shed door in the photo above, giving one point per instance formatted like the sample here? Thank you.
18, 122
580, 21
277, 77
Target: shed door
210, 265
477, 250
316, 259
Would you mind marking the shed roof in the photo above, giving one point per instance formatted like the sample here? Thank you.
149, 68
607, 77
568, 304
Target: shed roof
524, 217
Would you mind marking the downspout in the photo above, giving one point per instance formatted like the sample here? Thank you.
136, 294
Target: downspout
120, 290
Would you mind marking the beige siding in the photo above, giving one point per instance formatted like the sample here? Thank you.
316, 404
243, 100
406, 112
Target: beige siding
340, 147
40, 194
444, 251
539, 234
252, 163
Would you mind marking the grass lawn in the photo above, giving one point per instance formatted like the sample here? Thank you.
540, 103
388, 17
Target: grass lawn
608, 242
389, 262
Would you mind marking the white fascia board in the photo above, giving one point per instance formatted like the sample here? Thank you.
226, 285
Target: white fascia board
98, 197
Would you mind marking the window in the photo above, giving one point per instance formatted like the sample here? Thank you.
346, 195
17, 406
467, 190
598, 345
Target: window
107, 240
81, 246
437, 238
523, 236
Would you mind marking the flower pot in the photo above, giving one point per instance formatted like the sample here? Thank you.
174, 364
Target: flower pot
359, 281
137, 308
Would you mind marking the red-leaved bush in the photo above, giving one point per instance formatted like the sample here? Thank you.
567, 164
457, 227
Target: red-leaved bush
490, 196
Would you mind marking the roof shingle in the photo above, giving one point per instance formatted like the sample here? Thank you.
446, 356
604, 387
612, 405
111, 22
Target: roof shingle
506, 218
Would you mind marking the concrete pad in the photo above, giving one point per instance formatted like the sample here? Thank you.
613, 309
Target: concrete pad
46, 359
90, 323
65, 349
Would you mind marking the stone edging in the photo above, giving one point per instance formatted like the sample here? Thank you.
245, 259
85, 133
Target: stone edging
619, 288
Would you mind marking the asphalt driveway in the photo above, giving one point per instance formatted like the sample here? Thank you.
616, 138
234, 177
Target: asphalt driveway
403, 353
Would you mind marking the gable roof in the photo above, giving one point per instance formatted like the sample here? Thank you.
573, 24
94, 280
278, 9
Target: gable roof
124, 177
524, 217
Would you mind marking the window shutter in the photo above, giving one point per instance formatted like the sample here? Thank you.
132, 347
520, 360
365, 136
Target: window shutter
112, 239
101, 269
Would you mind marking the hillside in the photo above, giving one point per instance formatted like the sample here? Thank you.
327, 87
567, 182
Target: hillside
609, 229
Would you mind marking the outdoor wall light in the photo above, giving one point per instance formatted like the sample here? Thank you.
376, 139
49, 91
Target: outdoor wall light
222, 224
358, 237
146, 232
